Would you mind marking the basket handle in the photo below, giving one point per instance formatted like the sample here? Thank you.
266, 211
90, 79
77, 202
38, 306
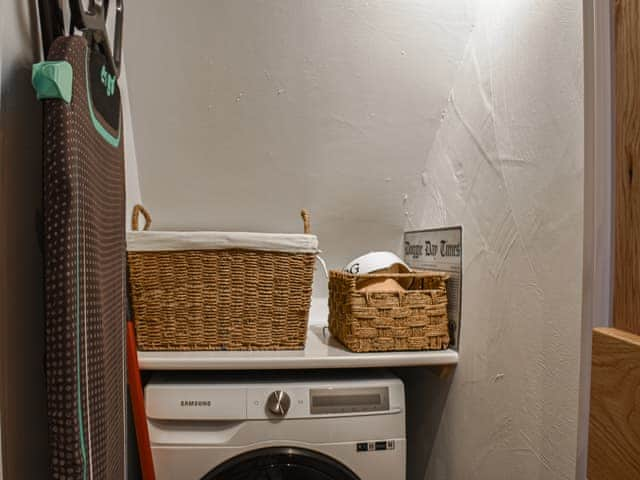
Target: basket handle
369, 301
304, 213
135, 215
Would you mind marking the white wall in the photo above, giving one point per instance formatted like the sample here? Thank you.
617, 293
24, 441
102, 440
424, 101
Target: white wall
383, 115
598, 198
134, 195
507, 163
22, 384
246, 111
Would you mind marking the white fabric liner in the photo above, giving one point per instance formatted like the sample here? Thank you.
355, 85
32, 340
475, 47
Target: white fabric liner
180, 241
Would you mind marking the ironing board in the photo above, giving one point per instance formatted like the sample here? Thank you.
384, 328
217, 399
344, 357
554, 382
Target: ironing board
84, 209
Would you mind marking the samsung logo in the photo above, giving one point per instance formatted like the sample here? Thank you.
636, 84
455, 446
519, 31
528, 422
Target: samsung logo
195, 403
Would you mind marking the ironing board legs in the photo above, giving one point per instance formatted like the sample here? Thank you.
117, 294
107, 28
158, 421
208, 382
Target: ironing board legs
137, 402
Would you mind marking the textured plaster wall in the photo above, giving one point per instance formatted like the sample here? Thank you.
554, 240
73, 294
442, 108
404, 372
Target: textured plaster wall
507, 163
22, 386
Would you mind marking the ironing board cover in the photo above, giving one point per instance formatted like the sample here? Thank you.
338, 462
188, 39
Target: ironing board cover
85, 270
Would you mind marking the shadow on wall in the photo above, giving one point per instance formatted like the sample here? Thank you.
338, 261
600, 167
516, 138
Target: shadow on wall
22, 382
426, 395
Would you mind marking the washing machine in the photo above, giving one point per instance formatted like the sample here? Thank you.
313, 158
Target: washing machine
277, 427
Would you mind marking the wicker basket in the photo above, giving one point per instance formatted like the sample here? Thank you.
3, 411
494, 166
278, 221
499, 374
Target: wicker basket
389, 321
219, 299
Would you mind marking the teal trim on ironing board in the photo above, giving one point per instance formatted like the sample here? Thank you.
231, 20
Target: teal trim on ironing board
83, 448
113, 141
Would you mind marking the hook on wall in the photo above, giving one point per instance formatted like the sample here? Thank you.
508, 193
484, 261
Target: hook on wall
91, 20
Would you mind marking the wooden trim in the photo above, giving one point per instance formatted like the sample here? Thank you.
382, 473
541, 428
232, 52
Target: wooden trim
626, 280
614, 433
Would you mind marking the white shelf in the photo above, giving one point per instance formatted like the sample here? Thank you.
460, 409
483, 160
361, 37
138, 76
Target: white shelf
321, 351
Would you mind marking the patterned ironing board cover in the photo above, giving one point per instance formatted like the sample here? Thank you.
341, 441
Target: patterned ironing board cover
84, 204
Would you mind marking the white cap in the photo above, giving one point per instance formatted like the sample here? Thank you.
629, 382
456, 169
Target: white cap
374, 262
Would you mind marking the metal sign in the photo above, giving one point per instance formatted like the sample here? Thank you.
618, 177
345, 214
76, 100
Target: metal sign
440, 249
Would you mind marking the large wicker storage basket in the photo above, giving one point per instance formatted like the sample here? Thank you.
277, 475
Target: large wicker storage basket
389, 321
220, 291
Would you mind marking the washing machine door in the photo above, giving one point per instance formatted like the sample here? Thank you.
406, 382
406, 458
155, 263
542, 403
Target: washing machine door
281, 463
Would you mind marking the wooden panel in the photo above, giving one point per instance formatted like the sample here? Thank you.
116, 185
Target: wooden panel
626, 297
614, 430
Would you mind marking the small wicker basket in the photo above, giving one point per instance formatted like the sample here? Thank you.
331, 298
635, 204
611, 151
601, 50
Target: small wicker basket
219, 299
389, 321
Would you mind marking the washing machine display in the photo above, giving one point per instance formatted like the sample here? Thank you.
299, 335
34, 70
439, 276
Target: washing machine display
349, 400
257, 427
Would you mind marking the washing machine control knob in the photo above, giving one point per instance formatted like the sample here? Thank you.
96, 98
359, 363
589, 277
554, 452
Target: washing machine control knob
278, 403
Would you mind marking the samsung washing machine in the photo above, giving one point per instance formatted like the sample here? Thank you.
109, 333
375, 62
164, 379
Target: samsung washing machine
259, 427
